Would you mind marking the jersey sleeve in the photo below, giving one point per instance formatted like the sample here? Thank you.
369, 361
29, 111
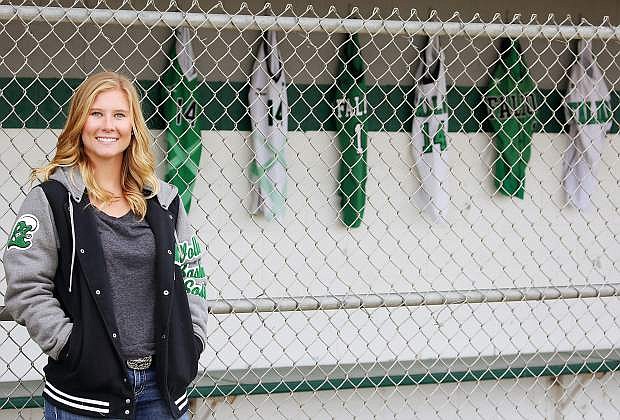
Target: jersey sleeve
30, 263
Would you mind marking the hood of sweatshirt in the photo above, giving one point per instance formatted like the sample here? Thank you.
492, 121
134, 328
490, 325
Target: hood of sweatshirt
71, 178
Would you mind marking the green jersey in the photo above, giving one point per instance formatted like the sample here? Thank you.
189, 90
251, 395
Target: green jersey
181, 112
350, 111
512, 104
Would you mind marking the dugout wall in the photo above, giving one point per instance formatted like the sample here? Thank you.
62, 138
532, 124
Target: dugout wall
508, 293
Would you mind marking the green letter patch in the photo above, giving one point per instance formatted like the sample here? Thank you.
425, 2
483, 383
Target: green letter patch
22, 234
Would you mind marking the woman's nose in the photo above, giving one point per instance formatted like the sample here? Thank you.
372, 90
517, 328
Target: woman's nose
108, 122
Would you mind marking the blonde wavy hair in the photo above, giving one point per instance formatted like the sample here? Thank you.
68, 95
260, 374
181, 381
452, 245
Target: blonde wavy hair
138, 168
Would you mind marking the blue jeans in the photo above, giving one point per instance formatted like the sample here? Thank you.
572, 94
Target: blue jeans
149, 404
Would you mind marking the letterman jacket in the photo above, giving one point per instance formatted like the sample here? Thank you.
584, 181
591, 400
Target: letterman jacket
62, 296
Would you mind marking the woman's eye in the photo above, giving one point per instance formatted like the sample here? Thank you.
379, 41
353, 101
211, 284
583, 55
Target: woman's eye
96, 114
119, 115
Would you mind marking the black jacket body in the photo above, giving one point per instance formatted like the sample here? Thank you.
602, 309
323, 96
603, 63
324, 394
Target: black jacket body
90, 377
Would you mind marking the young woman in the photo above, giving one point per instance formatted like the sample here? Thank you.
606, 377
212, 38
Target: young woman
103, 269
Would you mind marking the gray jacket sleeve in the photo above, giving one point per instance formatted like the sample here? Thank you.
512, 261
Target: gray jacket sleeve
189, 256
30, 262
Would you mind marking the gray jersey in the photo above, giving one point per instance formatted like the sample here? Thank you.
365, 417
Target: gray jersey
588, 111
268, 106
429, 130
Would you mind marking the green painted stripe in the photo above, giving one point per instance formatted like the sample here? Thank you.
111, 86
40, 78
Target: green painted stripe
400, 380
18, 403
334, 384
42, 103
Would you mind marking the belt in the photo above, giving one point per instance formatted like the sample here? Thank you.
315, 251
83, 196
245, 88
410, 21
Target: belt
140, 363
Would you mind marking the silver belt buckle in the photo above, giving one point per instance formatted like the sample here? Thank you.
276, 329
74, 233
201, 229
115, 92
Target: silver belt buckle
140, 363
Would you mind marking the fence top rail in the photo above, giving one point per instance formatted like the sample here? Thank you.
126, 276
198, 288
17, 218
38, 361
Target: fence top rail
548, 30
395, 300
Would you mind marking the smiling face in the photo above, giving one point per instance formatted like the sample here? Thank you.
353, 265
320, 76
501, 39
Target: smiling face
107, 131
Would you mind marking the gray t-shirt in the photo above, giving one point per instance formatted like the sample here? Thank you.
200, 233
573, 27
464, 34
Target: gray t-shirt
129, 251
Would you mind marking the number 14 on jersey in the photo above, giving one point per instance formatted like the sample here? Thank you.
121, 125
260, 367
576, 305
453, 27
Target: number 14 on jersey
187, 111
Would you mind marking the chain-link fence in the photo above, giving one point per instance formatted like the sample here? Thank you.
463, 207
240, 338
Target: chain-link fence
403, 217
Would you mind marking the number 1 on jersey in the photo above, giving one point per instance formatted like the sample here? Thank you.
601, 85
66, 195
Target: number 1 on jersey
358, 135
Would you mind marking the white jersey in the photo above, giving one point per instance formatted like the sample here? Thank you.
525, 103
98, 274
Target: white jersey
429, 130
588, 111
268, 106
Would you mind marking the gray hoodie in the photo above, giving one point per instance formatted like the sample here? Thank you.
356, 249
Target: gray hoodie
31, 260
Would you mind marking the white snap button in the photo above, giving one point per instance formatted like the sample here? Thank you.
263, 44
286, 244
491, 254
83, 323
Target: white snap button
169, 252
81, 250
126, 411
113, 335
97, 292
127, 401
166, 293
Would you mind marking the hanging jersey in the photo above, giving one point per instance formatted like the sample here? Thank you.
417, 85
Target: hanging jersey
181, 111
351, 111
268, 107
512, 105
588, 112
429, 129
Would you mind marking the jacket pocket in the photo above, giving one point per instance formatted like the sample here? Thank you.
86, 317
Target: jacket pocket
197, 352
64, 353
198, 347
70, 352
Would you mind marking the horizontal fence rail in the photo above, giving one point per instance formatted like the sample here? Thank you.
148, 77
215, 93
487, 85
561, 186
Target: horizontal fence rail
301, 24
396, 300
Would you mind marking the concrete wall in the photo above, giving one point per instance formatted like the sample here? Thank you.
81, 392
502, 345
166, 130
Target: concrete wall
489, 241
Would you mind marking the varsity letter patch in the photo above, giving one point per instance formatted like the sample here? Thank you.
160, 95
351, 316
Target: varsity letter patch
23, 232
